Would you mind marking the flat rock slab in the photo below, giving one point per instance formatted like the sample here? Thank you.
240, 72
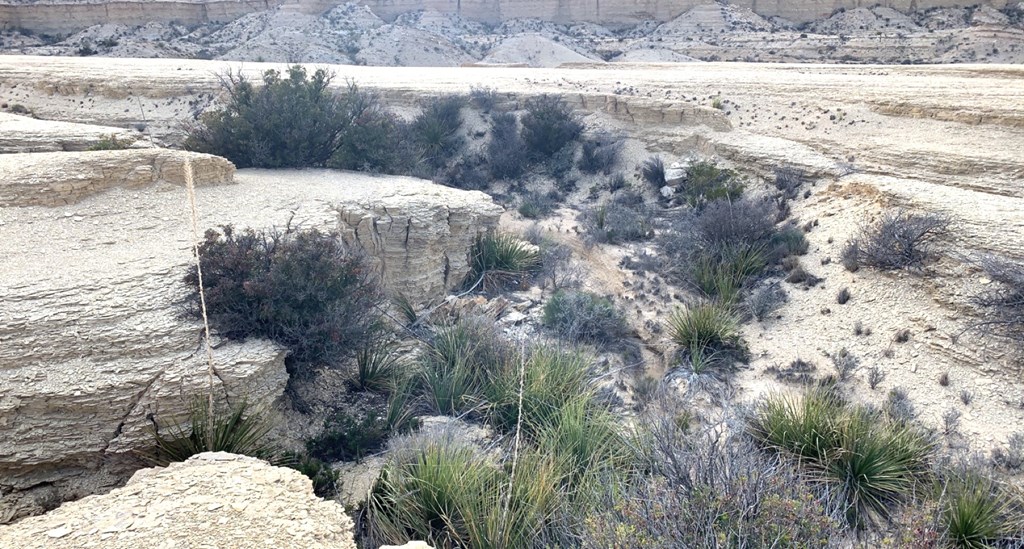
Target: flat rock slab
211, 500
23, 134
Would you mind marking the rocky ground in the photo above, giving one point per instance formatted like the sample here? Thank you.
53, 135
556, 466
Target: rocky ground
351, 33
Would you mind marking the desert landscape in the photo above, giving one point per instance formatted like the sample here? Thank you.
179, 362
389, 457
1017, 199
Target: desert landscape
469, 280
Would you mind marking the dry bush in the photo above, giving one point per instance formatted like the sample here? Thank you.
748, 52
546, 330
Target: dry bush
1005, 302
899, 240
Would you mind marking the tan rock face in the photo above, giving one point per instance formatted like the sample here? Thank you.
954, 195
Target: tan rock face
93, 347
211, 500
53, 179
25, 134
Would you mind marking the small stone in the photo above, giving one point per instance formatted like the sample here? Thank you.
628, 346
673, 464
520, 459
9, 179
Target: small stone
58, 532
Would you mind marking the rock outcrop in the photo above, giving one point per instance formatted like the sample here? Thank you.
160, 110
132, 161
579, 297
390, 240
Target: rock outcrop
55, 179
211, 500
20, 134
93, 349
71, 16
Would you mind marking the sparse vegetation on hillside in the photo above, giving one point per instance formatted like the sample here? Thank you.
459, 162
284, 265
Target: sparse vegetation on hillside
549, 125
899, 240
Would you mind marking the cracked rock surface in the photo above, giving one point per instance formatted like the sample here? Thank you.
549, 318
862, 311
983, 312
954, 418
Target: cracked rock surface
93, 348
211, 500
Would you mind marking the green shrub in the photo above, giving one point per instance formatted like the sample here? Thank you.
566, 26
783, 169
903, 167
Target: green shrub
874, 464
346, 437
461, 360
704, 182
585, 316
303, 289
324, 478
237, 429
501, 260
535, 205
549, 125
506, 150
111, 143
723, 275
376, 141
436, 131
789, 241
551, 378
288, 122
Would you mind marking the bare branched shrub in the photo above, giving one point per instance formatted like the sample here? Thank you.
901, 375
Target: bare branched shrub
711, 487
483, 97
576, 315
899, 240
1004, 303
1010, 457
875, 377
845, 363
788, 180
898, 405
764, 301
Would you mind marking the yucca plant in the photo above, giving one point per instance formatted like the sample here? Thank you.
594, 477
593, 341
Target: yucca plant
238, 430
377, 365
803, 426
973, 512
710, 325
551, 378
501, 260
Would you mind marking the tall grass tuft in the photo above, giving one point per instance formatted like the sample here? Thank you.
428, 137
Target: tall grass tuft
873, 463
501, 260
708, 325
973, 512
238, 430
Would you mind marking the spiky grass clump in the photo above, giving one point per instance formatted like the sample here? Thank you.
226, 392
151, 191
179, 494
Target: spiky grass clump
461, 360
501, 260
873, 463
709, 325
377, 364
550, 379
652, 171
723, 274
238, 430
974, 512
452, 496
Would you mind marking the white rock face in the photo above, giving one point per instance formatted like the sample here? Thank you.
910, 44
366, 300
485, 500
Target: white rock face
211, 500
25, 134
93, 347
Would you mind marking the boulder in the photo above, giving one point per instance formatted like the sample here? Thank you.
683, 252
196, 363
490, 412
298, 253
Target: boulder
210, 500
93, 346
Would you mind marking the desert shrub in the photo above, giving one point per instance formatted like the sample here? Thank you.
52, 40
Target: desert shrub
549, 125
348, 436
435, 131
843, 297
652, 171
600, 154
799, 371
1004, 303
506, 150
623, 218
325, 480
898, 405
849, 256
550, 379
789, 241
18, 108
720, 248
294, 121
111, 143
483, 97
559, 166
465, 172
617, 182
501, 260
534, 205
303, 289
376, 141
711, 488
874, 464
237, 429
704, 182
764, 301
558, 271
584, 315
1012, 456
899, 240
845, 363
788, 181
